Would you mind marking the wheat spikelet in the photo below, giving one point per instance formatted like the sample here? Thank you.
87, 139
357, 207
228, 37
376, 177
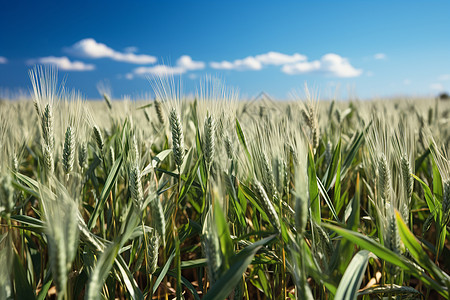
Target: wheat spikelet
408, 180
98, 137
48, 159
267, 175
135, 149
107, 100
177, 137
159, 111
267, 205
229, 147
136, 185
152, 252
112, 156
159, 219
209, 133
384, 177
69, 150
82, 155
281, 174
47, 127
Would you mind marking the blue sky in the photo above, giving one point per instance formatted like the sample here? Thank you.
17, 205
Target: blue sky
362, 48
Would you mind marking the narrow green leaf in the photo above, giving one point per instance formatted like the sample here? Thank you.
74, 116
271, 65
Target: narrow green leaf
22, 286
44, 290
389, 256
429, 198
226, 283
314, 200
163, 272
353, 276
417, 252
223, 232
112, 177
325, 196
331, 173
241, 138
337, 187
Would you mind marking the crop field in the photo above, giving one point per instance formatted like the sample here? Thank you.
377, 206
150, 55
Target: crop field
212, 197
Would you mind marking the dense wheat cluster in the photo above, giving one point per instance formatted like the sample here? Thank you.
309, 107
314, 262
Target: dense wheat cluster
217, 198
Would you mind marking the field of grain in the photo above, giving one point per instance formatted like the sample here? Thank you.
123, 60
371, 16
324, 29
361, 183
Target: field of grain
218, 198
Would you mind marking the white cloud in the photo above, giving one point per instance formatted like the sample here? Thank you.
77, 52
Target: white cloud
301, 67
256, 62
187, 63
277, 58
129, 76
407, 82
184, 64
3, 60
380, 56
338, 66
369, 73
437, 87
330, 64
92, 49
248, 63
159, 70
63, 63
444, 77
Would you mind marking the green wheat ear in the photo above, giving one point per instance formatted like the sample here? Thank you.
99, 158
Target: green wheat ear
82, 155
48, 159
267, 205
408, 180
159, 219
210, 143
177, 137
152, 252
384, 177
69, 150
47, 127
107, 100
98, 137
159, 111
137, 193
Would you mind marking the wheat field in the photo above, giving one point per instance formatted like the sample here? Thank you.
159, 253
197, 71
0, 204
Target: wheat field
214, 197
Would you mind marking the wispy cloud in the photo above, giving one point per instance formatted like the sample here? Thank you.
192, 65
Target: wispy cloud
184, 64
437, 87
330, 64
3, 60
248, 63
278, 59
63, 63
380, 56
444, 77
90, 48
257, 62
